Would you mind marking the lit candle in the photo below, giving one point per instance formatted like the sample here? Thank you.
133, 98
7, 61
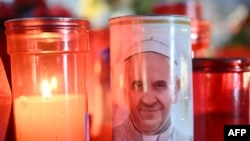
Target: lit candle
49, 93
50, 117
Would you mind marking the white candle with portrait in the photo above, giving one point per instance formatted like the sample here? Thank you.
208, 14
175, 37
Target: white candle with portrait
150, 58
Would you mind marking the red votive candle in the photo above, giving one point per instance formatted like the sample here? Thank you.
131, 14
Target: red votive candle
221, 95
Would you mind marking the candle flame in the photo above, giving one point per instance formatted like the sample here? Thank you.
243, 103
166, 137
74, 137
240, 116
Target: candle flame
46, 90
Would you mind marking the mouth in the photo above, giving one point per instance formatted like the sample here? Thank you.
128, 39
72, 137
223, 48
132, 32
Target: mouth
150, 110
150, 114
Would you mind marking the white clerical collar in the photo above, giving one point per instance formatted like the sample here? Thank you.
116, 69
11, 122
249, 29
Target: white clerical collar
150, 137
168, 134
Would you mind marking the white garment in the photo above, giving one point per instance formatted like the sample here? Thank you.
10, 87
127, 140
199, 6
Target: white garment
150, 138
127, 132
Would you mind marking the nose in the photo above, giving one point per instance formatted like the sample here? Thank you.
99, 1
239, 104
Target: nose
149, 99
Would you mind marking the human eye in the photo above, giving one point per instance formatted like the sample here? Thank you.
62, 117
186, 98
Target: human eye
160, 84
137, 85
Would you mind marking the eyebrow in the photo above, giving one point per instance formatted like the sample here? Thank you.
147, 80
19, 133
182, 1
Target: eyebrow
136, 81
161, 81
141, 81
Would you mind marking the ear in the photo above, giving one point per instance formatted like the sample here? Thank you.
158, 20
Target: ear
176, 90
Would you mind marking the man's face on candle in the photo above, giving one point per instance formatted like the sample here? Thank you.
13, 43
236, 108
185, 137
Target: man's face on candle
150, 88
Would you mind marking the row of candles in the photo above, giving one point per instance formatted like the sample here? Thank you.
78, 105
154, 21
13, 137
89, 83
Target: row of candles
48, 82
48, 67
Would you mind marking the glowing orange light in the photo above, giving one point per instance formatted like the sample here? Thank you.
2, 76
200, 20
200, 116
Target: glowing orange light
46, 90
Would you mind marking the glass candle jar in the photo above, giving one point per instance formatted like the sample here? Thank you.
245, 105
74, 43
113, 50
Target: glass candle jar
5, 102
48, 78
150, 75
221, 95
98, 73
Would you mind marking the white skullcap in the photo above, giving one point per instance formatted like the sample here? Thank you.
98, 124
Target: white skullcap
149, 45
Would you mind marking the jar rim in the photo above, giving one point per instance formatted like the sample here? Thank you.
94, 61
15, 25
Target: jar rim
150, 19
47, 35
45, 22
224, 64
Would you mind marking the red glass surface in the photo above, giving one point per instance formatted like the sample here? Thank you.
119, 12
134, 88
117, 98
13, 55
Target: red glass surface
99, 100
48, 66
200, 29
221, 95
191, 9
5, 102
200, 37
